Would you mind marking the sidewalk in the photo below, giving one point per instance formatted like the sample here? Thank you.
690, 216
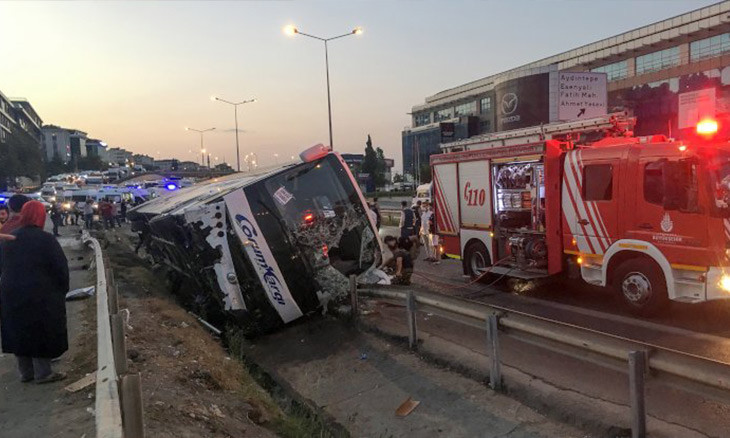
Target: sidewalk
360, 380
30, 410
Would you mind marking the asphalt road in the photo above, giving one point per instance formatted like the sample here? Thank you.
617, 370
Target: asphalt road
701, 329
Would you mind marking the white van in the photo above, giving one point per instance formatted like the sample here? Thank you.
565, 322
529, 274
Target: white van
423, 193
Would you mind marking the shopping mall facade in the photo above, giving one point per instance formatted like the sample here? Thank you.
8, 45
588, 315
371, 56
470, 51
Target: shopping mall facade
646, 69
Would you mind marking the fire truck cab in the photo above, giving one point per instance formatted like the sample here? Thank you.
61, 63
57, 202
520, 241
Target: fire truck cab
648, 217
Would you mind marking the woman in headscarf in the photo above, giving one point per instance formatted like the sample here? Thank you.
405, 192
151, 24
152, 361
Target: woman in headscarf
33, 287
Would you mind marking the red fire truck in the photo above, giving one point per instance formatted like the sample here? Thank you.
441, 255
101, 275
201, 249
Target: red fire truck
648, 217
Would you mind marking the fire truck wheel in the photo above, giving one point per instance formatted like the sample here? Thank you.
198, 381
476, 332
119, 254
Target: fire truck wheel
476, 258
642, 286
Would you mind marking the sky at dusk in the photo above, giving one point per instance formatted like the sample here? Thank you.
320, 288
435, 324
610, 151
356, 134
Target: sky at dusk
134, 74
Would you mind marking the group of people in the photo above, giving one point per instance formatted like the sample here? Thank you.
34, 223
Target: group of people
34, 280
111, 214
417, 223
417, 230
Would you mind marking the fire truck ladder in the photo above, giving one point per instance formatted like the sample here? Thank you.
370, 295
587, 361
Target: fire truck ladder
619, 122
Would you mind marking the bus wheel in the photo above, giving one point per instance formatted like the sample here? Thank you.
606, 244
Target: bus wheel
642, 286
476, 258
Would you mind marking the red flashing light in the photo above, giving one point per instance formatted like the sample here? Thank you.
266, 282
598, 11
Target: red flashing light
707, 127
308, 218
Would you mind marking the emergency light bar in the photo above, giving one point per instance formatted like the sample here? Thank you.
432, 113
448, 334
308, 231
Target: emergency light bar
707, 127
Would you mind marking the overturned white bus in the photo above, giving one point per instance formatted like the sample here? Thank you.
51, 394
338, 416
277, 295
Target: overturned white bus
264, 248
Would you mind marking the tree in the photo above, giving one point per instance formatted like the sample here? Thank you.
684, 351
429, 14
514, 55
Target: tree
425, 173
56, 166
398, 178
91, 162
374, 163
380, 168
370, 161
20, 155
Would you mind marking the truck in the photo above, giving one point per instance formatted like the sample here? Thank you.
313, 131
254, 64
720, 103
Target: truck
264, 248
647, 217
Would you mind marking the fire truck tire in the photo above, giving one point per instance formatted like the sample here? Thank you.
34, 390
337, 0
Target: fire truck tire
476, 257
641, 285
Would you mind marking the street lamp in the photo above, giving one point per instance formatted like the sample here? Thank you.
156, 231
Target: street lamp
292, 30
202, 150
235, 116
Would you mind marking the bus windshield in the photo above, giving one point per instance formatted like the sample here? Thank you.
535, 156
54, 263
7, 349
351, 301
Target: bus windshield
315, 213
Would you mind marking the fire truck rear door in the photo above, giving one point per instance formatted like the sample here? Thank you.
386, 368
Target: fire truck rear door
590, 198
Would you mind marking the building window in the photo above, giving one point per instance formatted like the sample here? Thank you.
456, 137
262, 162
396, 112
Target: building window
466, 109
709, 47
486, 104
444, 114
615, 71
657, 60
423, 119
597, 182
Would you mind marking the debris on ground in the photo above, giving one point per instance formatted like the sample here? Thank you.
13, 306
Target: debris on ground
407, 407
80, 294
81, 383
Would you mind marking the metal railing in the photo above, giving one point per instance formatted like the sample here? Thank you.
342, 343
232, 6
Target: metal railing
118, 408
690, 372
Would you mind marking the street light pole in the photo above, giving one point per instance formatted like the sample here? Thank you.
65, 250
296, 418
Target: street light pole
235, 117
292, 30
202, 149
329, 102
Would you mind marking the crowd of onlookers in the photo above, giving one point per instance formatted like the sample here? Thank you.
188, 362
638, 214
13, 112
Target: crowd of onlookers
34, 280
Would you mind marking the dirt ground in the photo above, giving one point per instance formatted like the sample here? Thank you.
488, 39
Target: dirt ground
191, 386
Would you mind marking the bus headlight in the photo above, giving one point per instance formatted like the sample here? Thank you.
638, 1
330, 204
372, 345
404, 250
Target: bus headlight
724, 283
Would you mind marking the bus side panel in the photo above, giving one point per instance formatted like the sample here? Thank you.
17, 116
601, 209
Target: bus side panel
553, 213
446, 199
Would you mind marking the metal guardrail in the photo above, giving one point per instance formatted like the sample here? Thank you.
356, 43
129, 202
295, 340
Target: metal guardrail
118, 408
690, 372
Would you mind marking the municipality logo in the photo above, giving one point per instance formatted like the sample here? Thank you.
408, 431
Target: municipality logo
666, 223
509, 103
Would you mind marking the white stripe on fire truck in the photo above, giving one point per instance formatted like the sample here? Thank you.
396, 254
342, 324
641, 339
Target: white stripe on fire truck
574, 190
446, 210
597, 211
727, 228
570, 209
440, 201
593, 217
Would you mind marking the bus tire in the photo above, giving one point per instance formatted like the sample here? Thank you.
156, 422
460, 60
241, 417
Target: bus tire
476, 256
642, 287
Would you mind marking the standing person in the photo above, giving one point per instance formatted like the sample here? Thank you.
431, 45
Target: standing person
417, 215
426, 217
107, 213
4, 215
33, 285
406, 220
123, 210
15, 205
88, 213
433, 240
116, 214
77, 214
56, 218
376, 209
